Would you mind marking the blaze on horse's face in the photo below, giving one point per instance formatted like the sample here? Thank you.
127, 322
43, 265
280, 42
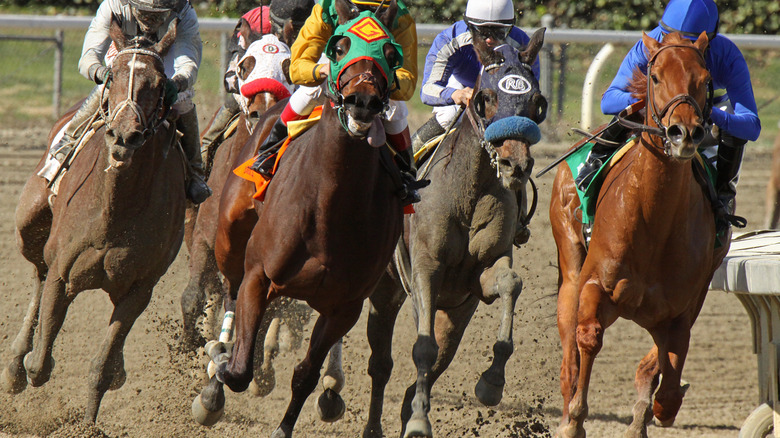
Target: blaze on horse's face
509, 88
135, 94
677, 91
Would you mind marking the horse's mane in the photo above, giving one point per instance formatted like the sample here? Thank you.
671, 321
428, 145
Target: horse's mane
638, 84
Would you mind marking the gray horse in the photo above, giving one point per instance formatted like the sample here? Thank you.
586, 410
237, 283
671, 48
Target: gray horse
459, 247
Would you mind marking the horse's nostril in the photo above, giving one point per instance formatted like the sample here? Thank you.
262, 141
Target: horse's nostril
676, 133
134, 139
698, 134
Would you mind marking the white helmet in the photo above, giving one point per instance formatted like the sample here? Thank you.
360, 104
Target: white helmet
490, 12
154, 5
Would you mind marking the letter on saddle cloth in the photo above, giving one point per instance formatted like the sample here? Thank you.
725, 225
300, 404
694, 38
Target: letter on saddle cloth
294, 129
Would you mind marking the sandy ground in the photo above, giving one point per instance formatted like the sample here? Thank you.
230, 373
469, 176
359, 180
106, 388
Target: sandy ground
162, 382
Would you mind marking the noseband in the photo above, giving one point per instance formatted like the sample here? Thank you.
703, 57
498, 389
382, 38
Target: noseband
671, 105
337, 98
149, 125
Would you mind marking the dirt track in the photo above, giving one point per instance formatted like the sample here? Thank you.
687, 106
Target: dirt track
161, 382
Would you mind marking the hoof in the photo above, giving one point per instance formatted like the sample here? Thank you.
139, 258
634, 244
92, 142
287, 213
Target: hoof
204, 416
418, 427
373, 432
570, 431
14, 378
40, 377
664, 423
489, 394
262, 386
330, 406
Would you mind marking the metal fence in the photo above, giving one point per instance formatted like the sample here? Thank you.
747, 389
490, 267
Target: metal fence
551, 60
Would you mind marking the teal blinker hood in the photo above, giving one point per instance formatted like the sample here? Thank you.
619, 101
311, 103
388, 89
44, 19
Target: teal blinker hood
367, 40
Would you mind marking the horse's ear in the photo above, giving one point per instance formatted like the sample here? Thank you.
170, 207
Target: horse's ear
286, 70
651, 44
245, 30
288, 33
702, 42
346, 10
167, 40
528, 56
387, 15
117, 36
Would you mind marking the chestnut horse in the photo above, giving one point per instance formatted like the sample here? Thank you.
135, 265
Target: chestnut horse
116, 223
325, 233
653, 250
461, 238
772, 203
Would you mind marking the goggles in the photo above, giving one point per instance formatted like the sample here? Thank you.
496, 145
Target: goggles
495, 33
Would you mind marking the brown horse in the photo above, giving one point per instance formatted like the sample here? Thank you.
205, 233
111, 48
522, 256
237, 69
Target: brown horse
326, 232
205, 283
461, 238
116, 223
653, 250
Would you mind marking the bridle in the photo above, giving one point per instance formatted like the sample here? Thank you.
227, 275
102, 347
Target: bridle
660, 130
149, 125
338, 99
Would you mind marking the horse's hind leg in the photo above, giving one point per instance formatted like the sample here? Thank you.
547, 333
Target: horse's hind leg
327, 331
449, 327
53, 307
385, 303
108, 366
14, 377
499, 280
646, 382
266, 350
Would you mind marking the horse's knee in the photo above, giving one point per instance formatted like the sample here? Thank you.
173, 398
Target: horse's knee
590, 336
425, 350
498, 281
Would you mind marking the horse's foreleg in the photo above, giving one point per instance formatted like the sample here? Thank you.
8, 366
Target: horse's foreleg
502, 280
424, 354
108, 365
595, 314
385, 303
250, 308
53, 308
327, 331
330, 405
672, 350
14, 378
568, 305
646, 382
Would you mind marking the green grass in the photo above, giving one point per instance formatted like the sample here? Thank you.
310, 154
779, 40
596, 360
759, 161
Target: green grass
26, 75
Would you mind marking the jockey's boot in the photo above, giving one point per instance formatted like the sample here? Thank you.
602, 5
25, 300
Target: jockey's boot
218, 126
197, 190
427, 131
266, 154
730, 151
62, 149
404, 159
615, 133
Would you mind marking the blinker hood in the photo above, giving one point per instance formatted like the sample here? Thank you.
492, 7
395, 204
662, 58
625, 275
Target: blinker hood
367, 40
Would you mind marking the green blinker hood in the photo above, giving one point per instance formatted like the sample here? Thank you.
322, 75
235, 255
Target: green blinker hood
367, 37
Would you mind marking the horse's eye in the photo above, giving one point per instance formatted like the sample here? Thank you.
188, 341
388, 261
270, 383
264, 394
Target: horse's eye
654, 78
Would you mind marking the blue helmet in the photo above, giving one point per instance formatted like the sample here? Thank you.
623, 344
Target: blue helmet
690, 17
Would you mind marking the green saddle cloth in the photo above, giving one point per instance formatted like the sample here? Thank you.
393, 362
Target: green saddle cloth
589, 197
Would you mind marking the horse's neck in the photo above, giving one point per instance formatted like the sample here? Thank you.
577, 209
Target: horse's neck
470, 169
660, 181
128, 189
334, 148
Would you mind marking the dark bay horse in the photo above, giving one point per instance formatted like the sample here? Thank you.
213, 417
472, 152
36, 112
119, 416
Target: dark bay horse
324, 234
653, 250
260, 70
461, 238
116, 223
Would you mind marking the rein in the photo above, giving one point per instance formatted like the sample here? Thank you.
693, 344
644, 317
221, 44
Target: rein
479, 127
337, 98
150, 125
660, 130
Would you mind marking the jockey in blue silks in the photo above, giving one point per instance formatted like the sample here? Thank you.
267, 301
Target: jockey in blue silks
735, 114
452, 67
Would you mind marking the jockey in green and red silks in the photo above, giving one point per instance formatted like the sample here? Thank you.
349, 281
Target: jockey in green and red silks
309, 67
